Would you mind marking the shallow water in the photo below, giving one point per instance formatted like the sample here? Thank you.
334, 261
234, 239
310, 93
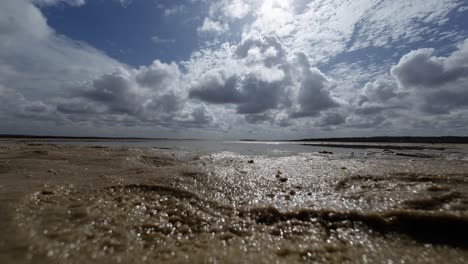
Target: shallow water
281, 148
111, 205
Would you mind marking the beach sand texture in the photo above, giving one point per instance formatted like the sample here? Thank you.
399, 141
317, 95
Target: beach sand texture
90, 204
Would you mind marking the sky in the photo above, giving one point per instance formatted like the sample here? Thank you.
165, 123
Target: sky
230, 69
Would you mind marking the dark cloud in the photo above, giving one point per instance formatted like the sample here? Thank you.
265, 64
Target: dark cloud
443, 102
314, 90
260, 84
366, 122
264, 78
15, 105
259, 95
76, 107
158, 75
217, 89
421, 85
200, 117
53, 79
116, 92
268, 47
421, 69
332, 119
258, 118
379, 91
445, 79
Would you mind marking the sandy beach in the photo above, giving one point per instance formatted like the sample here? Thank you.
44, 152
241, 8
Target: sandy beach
92, 204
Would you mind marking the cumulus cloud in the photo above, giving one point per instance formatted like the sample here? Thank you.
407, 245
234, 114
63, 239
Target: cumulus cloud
158, 76
71, 82
313, 91
421, 85
230, 9
14, 105
420, 68
273, 72
39, 63
440, 81
117, 93
379, 91
331, 119
148, 96
261, 79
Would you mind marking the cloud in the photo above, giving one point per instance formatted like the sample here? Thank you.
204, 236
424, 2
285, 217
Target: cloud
420, 85
39, 63
212, 26
147, 96
331, 119
386, 23
324, 29
158, 40
14, 105
55, 2
217, 88
285, 65
117, 93
230, 9
440, 81
379, 91
259, 77
177, 9
158, 76
63, 81
125, 3
313, 90
420, 68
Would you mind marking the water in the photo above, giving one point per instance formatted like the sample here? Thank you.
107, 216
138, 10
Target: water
213, 146
283, 148
135, 205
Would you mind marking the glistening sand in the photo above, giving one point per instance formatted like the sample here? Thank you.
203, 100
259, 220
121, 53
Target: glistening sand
87, 204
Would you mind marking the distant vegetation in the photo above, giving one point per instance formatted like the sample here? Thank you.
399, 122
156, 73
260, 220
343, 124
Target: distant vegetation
446, 139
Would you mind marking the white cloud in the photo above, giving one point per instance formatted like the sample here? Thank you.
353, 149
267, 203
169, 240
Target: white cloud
54, 2
421, 86
387, 23
125, 3
213, 26
324, 28
268, 79
39, 62
158, 40
174, 10
462, 8
260, 79
230, 9
50, 77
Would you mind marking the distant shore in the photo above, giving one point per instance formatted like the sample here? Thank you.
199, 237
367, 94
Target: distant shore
377, 139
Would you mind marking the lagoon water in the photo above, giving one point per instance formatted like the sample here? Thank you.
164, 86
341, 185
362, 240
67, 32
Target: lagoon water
283, 148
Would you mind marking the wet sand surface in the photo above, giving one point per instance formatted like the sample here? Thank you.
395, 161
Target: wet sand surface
90, 204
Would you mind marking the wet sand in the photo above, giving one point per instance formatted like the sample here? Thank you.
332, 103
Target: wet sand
85, 204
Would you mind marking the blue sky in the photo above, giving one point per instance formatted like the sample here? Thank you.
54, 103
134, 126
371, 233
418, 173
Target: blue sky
234, 68
125, 32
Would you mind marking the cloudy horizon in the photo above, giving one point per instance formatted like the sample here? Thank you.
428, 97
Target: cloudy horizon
229, 69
